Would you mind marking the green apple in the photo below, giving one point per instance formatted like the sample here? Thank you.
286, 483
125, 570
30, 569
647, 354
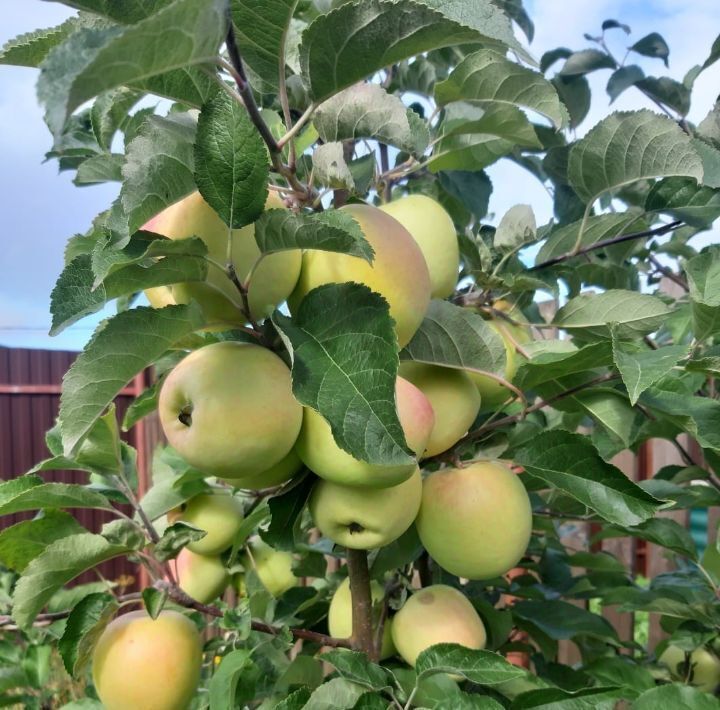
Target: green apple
203, 577
704, 671
476, 521
228, 409
139, 662
340, 615
365, 519
398, 271
436, 614
280, 473
271, 282
454, 399
219, 514
433, 230
319, 452
273, 567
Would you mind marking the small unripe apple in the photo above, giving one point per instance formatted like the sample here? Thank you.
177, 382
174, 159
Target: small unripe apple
398, 272
433, 230
203, 577
273, 568
280, 473
436, 614
219, 514
340, 615
139, 662
704, 671
270, 284
454, 399
365, 518
476, 521
228, 409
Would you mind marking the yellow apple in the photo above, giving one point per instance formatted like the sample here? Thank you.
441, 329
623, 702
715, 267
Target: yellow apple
219, 514
365, 519
436, 614
280, 473
398, 271
476, 521
454, 399
340, 615
203, 577
433, 230
271, 282
704, 667
319, 452
139, 662
273, 567
228, 409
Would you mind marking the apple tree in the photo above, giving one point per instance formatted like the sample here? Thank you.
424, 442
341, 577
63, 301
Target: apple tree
383, 405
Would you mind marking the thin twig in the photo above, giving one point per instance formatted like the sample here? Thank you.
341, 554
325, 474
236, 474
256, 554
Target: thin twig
668, 273
362, 626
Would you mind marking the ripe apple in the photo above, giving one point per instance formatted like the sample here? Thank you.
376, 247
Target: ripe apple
475, 522
436, 614
271, 283
398, 271
139, 662
219, 514
280, 473
454, 399
433, 230
493, 394
319, 452
228, 409
704, 667
273, 568
340, 615
203, 577
365, 519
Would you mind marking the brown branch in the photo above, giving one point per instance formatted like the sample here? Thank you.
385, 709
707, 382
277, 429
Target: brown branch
658, 231
668, 273
359, 574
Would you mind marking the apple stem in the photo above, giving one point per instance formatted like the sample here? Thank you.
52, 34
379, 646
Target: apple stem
362, 627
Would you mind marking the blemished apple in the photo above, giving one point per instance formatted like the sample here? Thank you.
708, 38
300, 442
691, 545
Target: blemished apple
704, 671
203, 577
139, 662
273, 568
280, 473
271, 283
398, 272
228, 409
319, 452
476, 521
219, 514
433, 230
454, 399
340, 615
362, 518
436, 614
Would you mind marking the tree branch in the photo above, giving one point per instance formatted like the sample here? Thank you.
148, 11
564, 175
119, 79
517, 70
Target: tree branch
362, 635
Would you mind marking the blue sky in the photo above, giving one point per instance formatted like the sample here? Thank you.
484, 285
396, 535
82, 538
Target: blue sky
42, 208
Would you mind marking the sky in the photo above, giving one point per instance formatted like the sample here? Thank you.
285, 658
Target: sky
41, 208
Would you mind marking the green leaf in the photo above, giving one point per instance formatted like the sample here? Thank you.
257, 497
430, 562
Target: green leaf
675, 696
368, 111
84, 626
31, 48
125, 13
141, 406
190, 86
286, 508
652, 45
517, 227
703, 274
660, 531
124, 532
58, 564
22, 542
456, 337
562, 620
641, 367
226, 678
668, 91
548, 365
356, 667
622, 79
175, 537
184, 33
153, 601
261, 33
99, 169
630, 146
119, 349
558, 699
331, 230
159, 167
355, 395
355, 40
330, 168
231, 169
570, 463
481, 667
110, 111
335, 694
554, 55
632, 314
574, 92
585, 61
30, 492
622, 672
487, 76
472, 188
710, 157
295, 701
684, 199
468, 151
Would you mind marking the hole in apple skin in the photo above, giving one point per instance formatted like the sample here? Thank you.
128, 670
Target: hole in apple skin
185, 415
355, 528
